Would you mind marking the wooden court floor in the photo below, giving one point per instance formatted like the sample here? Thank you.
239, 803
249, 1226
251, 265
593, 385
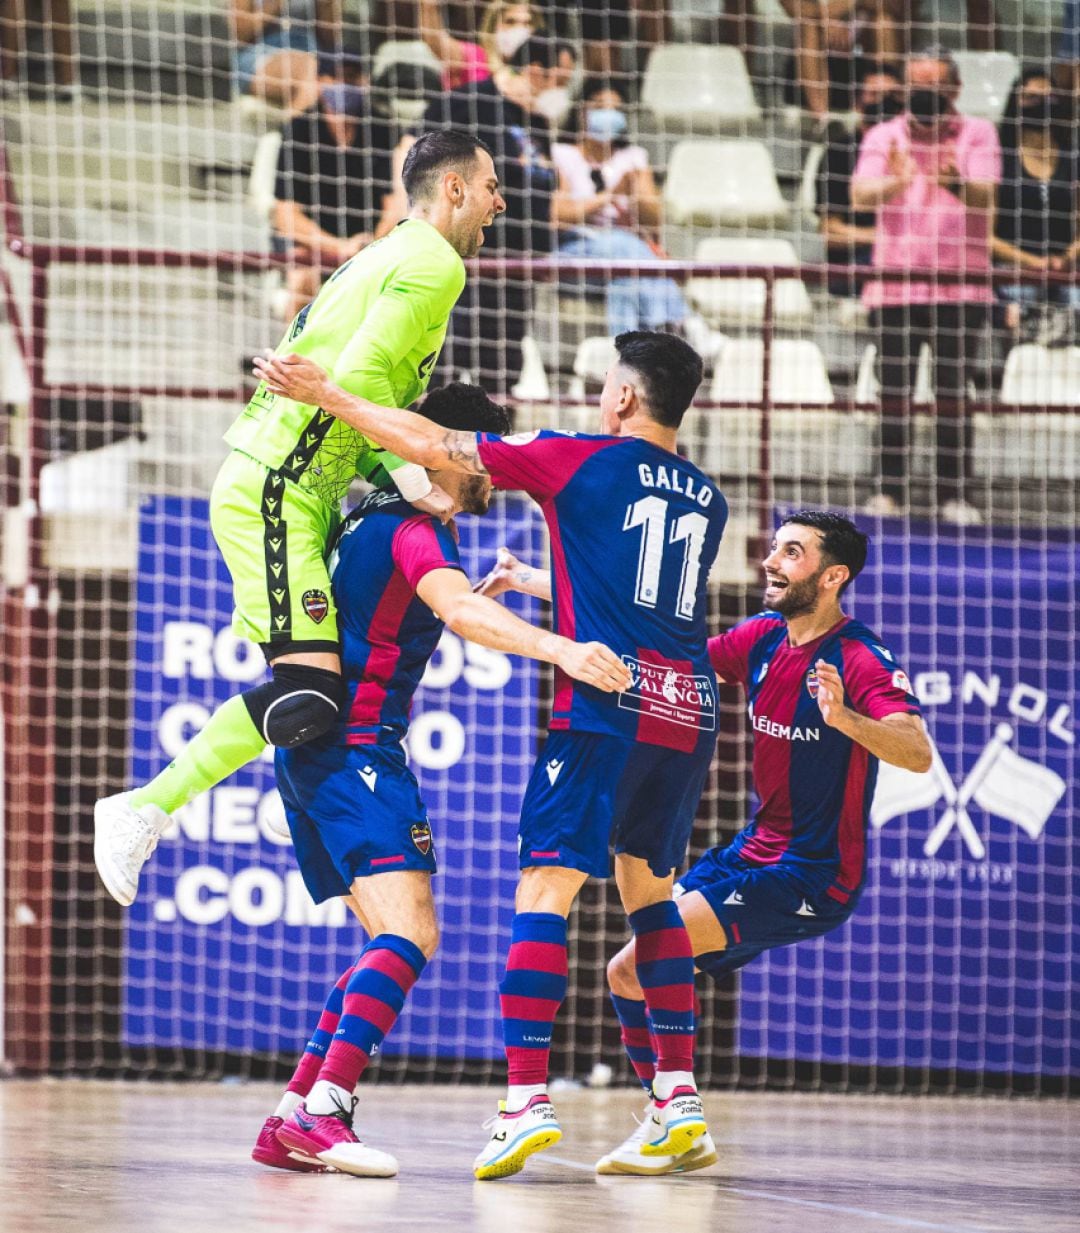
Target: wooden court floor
95, 1157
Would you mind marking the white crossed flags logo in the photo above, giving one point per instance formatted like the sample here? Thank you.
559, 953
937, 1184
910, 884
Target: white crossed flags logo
1002, 782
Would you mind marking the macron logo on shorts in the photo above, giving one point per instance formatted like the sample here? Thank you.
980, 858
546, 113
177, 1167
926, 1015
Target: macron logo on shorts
734, 898
370, 776
553, 768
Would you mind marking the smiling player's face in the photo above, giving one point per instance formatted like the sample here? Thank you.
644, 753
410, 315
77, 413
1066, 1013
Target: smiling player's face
792, 571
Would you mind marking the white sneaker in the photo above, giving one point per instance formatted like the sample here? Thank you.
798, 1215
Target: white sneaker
123, 841
675, 1124
627, 1157
961, 513
515, 1137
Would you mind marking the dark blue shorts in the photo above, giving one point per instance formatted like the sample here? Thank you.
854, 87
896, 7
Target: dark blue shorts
590, 790
353, 811
761, 906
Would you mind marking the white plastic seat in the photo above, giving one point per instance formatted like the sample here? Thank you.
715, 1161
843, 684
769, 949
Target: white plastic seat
404, 51
739, 300
263, 175
692, 87
986, 77
730, 183
1038, 376
798, 374
592, 360
808, 202
532, 383
868, 388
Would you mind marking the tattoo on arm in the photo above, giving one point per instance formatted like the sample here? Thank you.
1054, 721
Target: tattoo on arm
461, 452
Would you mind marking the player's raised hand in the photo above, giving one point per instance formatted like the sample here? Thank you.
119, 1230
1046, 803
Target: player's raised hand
293, 377
594, 664
500, 578
830, 694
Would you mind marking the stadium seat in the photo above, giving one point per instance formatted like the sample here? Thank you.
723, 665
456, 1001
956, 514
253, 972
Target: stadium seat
868, 388
692, 88
741, 301
532, 384
404, 51
1037, 375
986, 77
798, 373
730, 183
808, 185
591, 362
263, 174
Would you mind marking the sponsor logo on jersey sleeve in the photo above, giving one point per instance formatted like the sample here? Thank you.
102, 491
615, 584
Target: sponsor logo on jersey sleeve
900, 681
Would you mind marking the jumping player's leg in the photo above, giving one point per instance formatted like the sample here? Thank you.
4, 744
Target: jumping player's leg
273, 537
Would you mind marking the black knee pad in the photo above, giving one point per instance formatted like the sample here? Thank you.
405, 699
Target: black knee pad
298, 705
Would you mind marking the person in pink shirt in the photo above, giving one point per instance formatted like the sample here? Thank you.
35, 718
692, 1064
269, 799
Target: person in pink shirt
931, 175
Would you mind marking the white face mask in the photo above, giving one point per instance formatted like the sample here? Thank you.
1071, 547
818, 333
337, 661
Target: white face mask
553, 104
509, 40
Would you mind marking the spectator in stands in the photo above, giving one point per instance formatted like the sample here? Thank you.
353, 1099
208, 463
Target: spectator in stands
490, 319
503, 28
334, 177
849, 233
831, 41
1036, 221
931, 175
607, 207
278, 47
53, 18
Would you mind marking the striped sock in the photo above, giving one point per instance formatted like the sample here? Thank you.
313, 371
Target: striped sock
665, 968
385, 972
636, 1039
532, 992
311, 1060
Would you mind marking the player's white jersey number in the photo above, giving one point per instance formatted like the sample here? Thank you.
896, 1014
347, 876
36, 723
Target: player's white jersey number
651, 515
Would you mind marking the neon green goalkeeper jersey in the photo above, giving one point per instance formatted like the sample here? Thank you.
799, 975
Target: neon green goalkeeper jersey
377, 327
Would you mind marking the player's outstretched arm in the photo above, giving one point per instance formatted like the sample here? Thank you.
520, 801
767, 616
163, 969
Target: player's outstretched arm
479, 619
898, 739
405, 433
510, 574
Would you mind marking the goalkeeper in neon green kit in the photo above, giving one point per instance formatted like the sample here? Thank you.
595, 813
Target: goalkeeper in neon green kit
378, 325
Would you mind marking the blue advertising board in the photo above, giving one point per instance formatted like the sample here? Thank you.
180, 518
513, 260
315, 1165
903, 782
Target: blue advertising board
223, 948
966, 944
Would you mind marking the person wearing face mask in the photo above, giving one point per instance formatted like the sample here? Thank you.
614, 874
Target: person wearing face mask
334, 180
849, 233
931, 176
511, 111
1036, 220
607, 207
503, 28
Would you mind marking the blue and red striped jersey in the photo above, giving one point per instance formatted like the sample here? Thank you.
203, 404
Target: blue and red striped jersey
387, 634
634, 530
814, 784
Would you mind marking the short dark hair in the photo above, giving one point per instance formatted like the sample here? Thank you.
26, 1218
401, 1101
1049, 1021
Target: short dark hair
435, 153
465, 408
842, 543
540, 49
669, 368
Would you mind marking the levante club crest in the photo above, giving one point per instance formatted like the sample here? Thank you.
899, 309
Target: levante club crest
420, 833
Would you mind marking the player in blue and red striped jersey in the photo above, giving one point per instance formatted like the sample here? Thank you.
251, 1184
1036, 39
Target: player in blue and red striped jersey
359, 827
634, 530
826, 702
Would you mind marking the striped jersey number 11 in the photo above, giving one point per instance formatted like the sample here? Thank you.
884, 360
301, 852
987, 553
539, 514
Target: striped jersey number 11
651, 514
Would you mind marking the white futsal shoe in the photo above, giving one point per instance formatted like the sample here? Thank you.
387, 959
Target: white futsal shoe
627, 1157
515, 1137
676, 1123
124, 838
